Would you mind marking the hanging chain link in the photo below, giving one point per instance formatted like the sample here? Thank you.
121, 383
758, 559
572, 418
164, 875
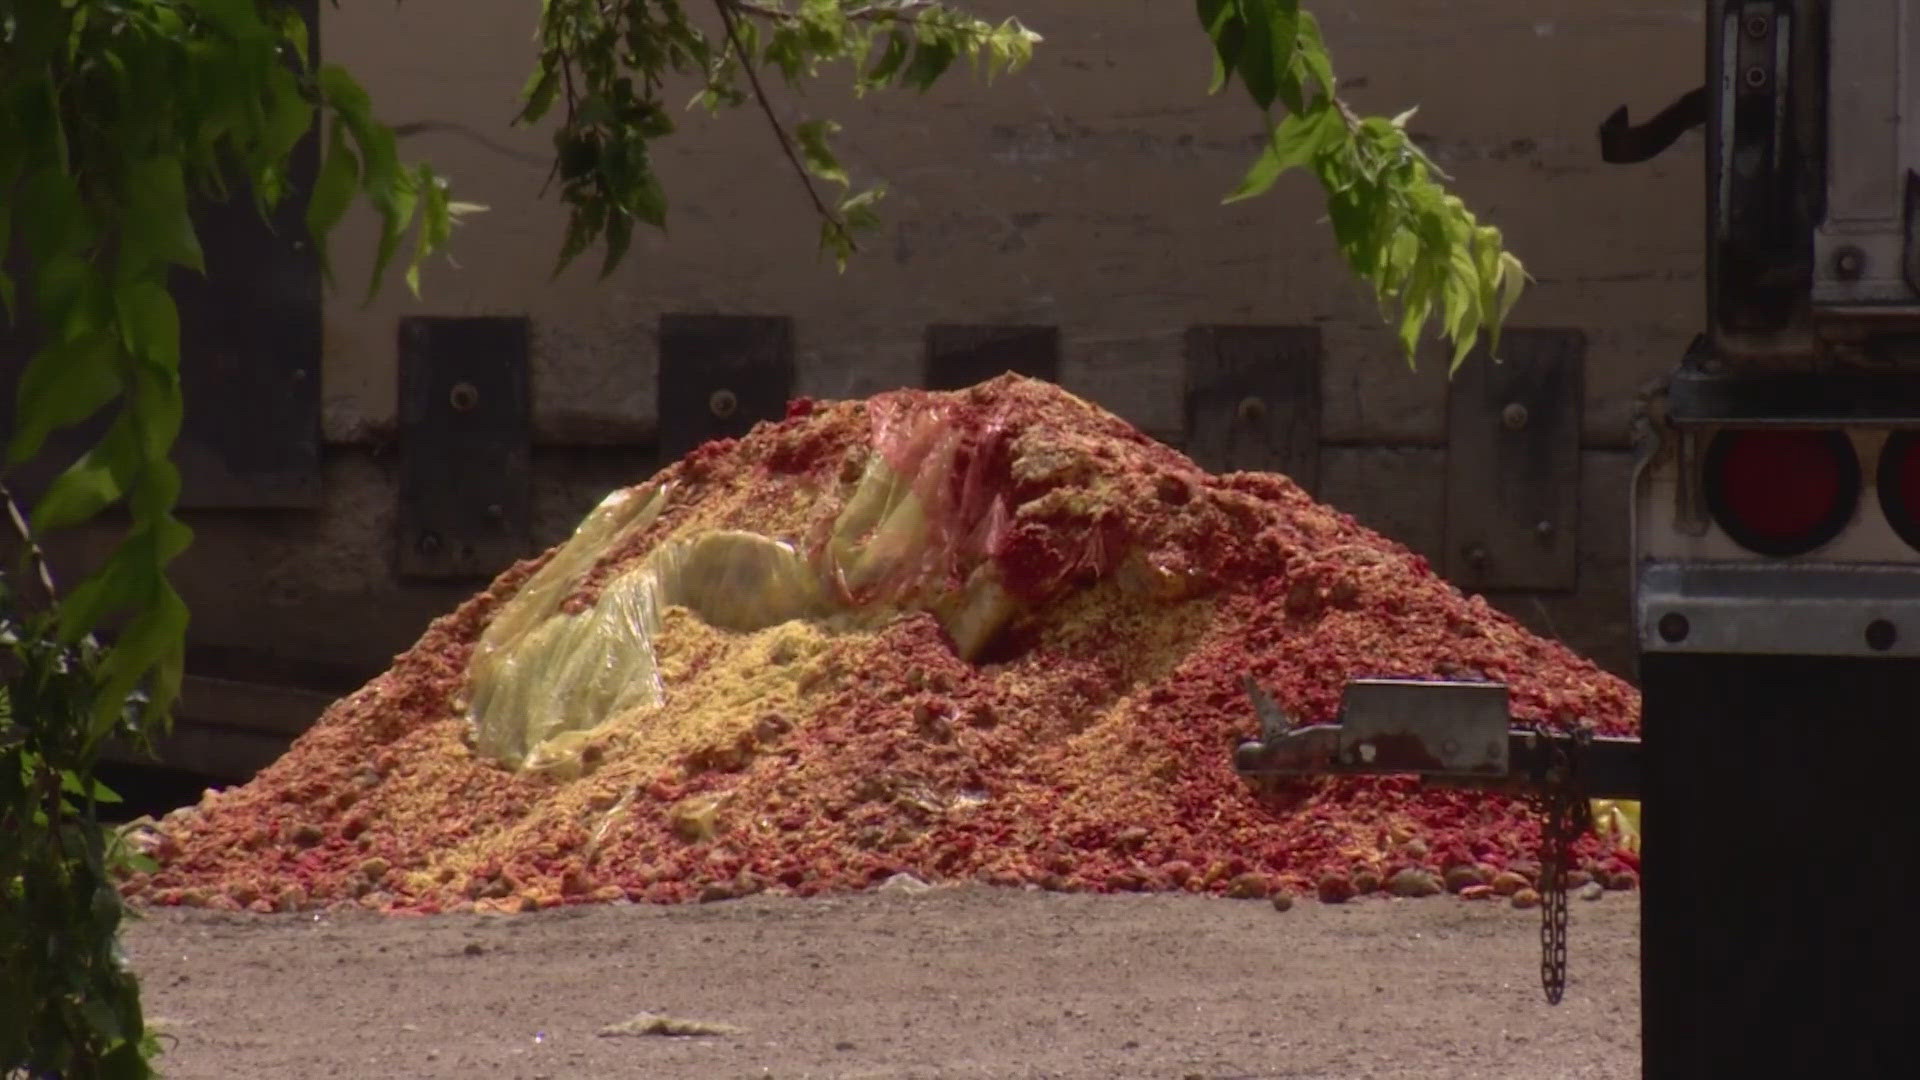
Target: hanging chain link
1568, 816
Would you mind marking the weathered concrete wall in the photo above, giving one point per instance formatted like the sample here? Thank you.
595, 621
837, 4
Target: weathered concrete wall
1083, 193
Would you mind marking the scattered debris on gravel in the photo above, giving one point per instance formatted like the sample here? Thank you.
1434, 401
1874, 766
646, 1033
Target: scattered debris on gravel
990, 635
646, 1023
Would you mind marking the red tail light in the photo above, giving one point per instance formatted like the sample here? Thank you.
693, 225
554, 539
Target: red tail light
1782, 492
1899, 485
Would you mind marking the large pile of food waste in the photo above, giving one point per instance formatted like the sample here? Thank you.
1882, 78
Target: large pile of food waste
992, 635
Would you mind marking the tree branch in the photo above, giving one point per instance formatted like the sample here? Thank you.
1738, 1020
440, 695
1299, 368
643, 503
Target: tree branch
727, 17
869, 13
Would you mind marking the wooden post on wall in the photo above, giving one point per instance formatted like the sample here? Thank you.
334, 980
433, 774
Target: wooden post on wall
1513, 463
466, 422
963, 355
1253, 400
720, 375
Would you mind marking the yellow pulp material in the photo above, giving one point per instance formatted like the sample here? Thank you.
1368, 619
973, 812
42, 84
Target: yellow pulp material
541, 678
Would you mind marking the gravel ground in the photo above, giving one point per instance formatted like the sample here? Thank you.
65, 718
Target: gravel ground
963, 983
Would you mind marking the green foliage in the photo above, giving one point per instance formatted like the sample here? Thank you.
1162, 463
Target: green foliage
1426, 255
69, 1005
608, 66
114, 116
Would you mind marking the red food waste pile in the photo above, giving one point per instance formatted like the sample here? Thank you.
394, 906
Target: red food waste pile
1087, 745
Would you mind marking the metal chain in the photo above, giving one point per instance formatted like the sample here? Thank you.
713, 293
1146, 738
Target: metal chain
1567, 816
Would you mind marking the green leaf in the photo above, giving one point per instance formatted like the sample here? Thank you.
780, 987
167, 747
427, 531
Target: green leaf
1296, 140
1221, 18
898, 46
70, 297
1316, 65
71, 783
436, 223
83, 490
149, 322
125, 1062
333, 191
1513, 281
61, 386
619, 235
583, 225
1412, 318
540, 92
52, 219
345, 95
289, 115
157, 225
293, 30
931, 59
396, 214
1266, 54
233, 16
120, 582
650, 201
93, 483
101, 1019
812, 137
152, 641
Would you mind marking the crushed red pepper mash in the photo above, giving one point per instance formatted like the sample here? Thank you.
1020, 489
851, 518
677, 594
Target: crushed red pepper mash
1087, 746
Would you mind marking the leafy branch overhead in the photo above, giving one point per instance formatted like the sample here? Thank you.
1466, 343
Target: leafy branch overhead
115, 115
611, 67
1426, 255
615, 70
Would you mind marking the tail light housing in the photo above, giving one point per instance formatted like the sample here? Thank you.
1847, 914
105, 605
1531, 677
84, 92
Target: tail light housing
1899, 485
1784, 491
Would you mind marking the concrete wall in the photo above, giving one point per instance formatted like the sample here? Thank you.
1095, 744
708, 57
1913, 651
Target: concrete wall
1083, 193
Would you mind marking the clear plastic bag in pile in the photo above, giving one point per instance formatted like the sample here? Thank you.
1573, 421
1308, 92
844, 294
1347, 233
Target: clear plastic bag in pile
915, 534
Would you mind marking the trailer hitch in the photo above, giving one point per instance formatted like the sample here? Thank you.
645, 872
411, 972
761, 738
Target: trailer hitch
1461, 734
1457, 733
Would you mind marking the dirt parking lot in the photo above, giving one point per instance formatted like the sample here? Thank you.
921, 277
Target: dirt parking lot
962, 983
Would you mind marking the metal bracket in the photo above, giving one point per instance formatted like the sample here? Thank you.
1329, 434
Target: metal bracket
1624, 143
963, 355
720, 375
1778, 610
1513, 464
1450, 732
1253, 400
466, 423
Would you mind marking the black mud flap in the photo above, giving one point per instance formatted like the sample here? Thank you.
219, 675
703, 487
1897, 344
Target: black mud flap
1781, 803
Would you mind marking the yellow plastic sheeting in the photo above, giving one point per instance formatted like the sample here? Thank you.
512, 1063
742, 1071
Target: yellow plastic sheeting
572, 672
535, 666
1618, 821
541, 677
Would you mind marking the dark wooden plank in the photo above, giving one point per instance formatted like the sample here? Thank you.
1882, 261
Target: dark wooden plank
1253, 400
281, 710
228, 729
217, 751
720, 375
466, 422
960, 355
250, 348
1513, 463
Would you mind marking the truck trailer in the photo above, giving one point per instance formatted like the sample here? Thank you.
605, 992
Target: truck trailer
1775, 510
